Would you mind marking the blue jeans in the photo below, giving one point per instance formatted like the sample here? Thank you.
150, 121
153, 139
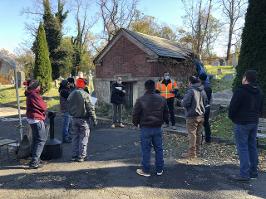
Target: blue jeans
66, 125
245, 137
39, 137
152, 137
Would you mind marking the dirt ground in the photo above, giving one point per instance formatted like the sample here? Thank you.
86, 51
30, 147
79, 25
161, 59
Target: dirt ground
109, 172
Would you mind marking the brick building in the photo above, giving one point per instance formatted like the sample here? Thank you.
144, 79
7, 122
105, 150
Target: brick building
137, 57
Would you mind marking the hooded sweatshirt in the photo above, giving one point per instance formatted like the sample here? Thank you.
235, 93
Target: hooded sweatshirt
195, 101
36, 107
246, 104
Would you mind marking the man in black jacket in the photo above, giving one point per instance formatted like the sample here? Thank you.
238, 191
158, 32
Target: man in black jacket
117, 99
207, 88
245, 108
64, 91
150, 112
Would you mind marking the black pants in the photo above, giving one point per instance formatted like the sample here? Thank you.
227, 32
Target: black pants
207, 125
170, 104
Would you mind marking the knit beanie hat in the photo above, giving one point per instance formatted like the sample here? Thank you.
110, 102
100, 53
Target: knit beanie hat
80, 83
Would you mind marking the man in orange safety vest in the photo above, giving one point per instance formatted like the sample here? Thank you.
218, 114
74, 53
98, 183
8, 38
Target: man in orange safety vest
168, 89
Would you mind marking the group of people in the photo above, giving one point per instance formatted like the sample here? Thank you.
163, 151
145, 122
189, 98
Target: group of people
78, 114
151, 111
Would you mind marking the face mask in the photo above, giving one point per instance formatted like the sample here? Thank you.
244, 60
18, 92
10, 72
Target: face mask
167, 77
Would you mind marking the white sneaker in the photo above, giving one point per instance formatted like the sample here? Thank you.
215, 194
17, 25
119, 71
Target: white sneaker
159, 173
121, 125
142, 173
113, 126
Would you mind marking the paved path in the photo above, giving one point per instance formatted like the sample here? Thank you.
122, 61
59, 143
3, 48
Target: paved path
223, 97
109, 172
9, 111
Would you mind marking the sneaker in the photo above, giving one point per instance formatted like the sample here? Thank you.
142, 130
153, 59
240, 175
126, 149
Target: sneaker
159, 173
142, 173
113, 126
253, 177
81, 159
239, 178
35, 166
74, 158
121, 125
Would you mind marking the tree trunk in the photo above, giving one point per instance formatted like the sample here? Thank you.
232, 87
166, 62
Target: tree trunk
229, 44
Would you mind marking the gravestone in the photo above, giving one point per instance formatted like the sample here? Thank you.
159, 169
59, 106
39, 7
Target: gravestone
219, 71
228, 77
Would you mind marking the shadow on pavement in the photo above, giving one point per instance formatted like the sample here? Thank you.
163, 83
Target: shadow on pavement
107, 146
178, 176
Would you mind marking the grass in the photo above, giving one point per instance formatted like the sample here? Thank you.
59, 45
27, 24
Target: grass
222, 127
8, 96
221, 84
225, 70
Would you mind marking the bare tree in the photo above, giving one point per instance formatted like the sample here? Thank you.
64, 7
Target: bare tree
233, 11
116, 14
197, 17
213, 32
81, 40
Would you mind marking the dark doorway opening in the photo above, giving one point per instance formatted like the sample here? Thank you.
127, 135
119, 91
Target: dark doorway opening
129, 93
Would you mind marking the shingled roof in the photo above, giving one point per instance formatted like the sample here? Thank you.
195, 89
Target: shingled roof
159, 46
162, 47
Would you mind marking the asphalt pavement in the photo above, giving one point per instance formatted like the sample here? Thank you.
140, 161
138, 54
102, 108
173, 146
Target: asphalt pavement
109, 172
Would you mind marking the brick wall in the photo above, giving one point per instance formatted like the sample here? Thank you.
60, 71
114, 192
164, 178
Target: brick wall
127, 59
124, 58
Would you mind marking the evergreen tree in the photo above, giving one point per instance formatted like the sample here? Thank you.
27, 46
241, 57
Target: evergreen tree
42, 68
253, 49
53, 24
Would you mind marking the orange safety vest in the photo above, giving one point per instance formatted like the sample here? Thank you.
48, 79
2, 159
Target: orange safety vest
165, 91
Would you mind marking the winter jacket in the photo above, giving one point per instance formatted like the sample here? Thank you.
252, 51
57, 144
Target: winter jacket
195, 101
64, 93
208, 92
150, 111
117, 96
35, 106
80, 106
246, 105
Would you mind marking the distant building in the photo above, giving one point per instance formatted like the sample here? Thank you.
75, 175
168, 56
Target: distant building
6, 73
137, 57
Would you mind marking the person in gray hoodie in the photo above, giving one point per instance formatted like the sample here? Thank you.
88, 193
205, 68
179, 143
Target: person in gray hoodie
194, 102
